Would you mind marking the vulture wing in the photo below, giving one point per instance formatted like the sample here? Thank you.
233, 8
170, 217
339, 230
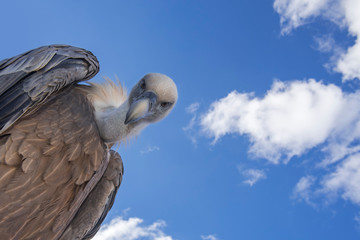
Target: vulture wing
51, 154
28, 79
94, 209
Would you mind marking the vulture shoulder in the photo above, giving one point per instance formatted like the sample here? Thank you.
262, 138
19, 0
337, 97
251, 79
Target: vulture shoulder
51, 153
29, 79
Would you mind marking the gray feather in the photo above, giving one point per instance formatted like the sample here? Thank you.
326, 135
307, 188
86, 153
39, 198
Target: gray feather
28, 79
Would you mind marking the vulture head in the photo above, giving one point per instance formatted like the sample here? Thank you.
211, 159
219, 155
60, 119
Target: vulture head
150, 100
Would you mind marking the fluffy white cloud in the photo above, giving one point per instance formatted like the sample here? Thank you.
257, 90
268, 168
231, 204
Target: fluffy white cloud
290, 119
345, 13
132, 229
345, 179
341, 141
349, 62
294, 117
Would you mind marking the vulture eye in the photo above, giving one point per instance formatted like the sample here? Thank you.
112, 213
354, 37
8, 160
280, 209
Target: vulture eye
143, 85
165, 104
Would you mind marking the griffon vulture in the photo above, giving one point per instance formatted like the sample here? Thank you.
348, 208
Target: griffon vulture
58, 176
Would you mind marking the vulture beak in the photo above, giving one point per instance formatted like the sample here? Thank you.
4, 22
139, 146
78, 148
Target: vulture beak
141, 107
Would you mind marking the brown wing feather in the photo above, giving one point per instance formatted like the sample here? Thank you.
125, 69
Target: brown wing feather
93, 211
53, 158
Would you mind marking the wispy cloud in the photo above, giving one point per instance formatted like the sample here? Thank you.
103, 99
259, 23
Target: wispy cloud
209, 237
295, 13
251, 176
125, 212
345, 13
303, 191
192, 108
189, 128
326, 44
132, 229
150, 149
357, 219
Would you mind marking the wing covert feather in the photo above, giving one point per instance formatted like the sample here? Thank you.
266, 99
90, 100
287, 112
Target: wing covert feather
28, 79
93, 211
44, 177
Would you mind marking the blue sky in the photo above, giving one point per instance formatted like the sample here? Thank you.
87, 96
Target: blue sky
264, 140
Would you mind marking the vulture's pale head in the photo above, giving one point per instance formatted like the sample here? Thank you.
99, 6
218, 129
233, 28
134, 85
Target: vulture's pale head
150, 100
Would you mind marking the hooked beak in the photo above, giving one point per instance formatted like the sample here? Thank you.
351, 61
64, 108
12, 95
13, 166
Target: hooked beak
140, 108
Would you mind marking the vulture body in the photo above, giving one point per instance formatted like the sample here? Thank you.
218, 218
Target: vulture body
58, 176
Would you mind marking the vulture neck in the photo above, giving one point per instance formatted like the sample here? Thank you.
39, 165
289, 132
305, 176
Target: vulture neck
111, 124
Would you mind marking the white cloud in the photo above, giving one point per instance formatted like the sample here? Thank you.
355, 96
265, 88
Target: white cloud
189, 129
295, 13
325, 43
209, 237
349, 62
125, 212
345, 179
150, 149
252, 176
357, 219
290, 119
302, 190
345, 13
192, 108
342, 140
132, 229
295, 117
